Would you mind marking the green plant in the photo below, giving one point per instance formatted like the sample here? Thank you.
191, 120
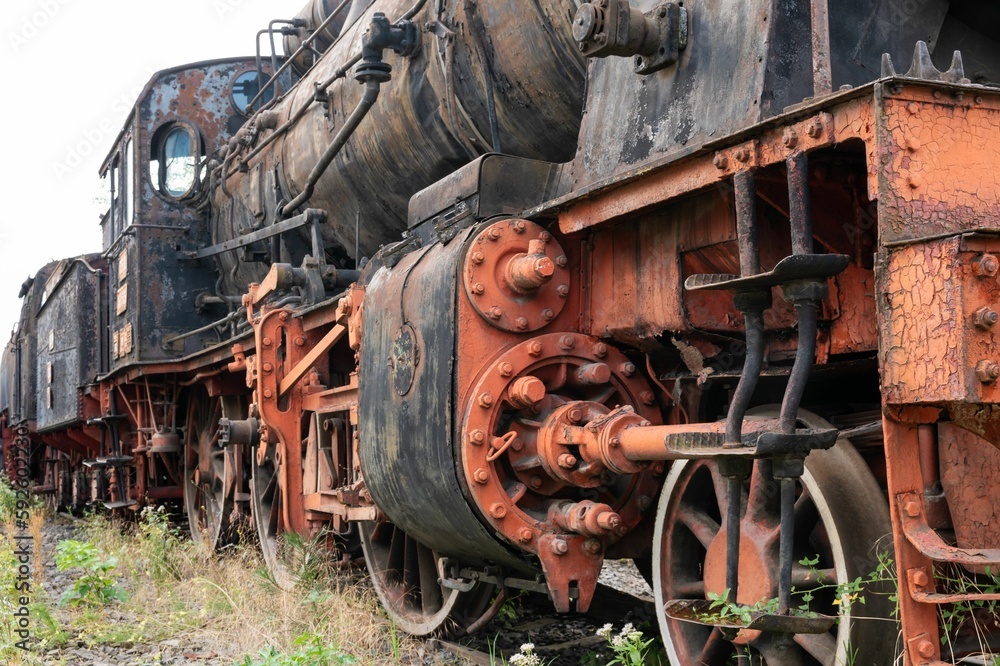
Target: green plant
968, 614
159, 542
628, 645
311, 650
97, 584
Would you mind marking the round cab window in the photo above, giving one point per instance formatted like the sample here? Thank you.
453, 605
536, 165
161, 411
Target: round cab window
178, 162
246, 87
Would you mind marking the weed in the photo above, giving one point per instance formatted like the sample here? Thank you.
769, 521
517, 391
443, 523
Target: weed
311, 650
526, 656
629, 646
97, 585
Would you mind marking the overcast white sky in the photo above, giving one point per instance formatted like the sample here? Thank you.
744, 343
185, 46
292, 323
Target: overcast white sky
73, 68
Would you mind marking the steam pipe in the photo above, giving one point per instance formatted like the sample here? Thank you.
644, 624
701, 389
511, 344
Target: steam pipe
372, 88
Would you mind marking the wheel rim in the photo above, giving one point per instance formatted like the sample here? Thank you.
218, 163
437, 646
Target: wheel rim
208, 505
267, 498
840, 515
405, 576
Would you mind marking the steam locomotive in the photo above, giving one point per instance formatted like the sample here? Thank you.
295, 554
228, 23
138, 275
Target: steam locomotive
500, 291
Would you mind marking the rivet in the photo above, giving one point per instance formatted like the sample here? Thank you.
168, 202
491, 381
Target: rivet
627, 369
616, 441
300, 342
266, 342
913, 108
485, 400
477, 437
478, 288
268, 393
545, 237
567, 342
548, 315
979, 100
498, 510
720, 161
267, 367
478, 257
521, 323
815, 129
535, 348
647, 398
562, 261
481, 476
592, 546
563, 290
496, 312
283, 316
560, 547
600, 350
506, 369
741, 154
645, 502
790, 138
938, 94
913, 144
535, 482
524, 535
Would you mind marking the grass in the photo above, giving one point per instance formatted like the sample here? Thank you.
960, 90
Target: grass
223, 603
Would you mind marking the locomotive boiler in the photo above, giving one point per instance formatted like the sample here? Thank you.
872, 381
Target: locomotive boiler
495, 292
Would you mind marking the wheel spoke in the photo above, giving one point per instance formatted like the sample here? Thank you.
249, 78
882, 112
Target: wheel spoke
430, 591
721, 487
716, 649
806, 514
761, 504
821, 647
773, 655
694, 590
700, 523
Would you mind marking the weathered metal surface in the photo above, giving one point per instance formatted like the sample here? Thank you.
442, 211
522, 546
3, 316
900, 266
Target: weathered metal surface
408, 449
66, 356
430, 118
970, 474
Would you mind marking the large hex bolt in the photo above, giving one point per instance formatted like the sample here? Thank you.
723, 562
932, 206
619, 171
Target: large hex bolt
527, 272
988, 372
985, 318
526, 392
986, 265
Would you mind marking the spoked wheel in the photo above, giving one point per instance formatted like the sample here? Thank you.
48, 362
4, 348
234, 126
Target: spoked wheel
404, 573
208, 470
840, 516
267, 497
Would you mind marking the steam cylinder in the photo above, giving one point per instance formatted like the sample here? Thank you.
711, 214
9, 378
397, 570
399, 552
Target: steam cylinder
432, 117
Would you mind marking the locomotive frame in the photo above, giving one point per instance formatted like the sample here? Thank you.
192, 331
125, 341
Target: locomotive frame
554, 359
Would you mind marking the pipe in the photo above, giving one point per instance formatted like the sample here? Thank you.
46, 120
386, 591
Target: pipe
372, 88
804, 357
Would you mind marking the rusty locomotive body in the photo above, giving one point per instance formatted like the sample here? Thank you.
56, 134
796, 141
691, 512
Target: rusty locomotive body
500, 291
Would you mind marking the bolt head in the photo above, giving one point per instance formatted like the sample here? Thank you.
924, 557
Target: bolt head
268, 393
563, 290
478, 257
926, 649
815, 129
628, 369
560, 547
575, 415
912, 508
741, 154
720, 161
567, 461
283, 316
493, 234
535, 348
521, 323
986, 266
498, 510
548, 314
600, 350
790, 138
920, 578
519, 226
267, 342
567, 342
477, 437
987, 372
524, 535
647, 398
506, 369
481, 475
616, 441
985, 318
592, 546
535, 482
478, 288
496, 312
645, 502
562, 261
485, 400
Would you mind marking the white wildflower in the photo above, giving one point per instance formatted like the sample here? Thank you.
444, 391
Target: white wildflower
518, 660
605, 631
618, 641
527, 648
